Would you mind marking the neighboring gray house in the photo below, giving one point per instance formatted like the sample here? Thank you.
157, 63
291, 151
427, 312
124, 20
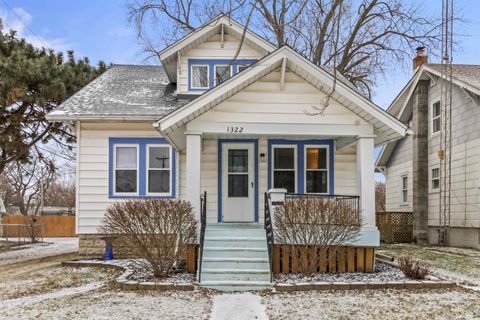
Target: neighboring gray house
412, 164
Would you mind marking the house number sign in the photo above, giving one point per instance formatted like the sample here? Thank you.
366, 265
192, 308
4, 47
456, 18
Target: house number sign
234, 129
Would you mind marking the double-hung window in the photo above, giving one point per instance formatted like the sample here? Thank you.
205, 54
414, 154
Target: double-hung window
316, 169
284, 167
141, 167
435, 178
158, 169
126, 169
199, 76
404, 189
222, 73
436, 122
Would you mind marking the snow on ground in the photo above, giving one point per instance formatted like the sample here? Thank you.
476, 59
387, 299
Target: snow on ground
50, 247
382, 304
383, 272
116, 304
238, 306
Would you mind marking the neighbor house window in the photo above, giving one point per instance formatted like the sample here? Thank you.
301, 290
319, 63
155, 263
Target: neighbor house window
435, 178
126, 169
158, 169
405, 189
141, 167
242, 67
222, 73
284, 167
436, 117
316, 169
199, 76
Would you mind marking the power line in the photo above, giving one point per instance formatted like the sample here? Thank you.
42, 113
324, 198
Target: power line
24, 23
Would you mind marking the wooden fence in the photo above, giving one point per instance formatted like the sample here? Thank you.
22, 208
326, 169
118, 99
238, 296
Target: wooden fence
335, 259
53, 226
395, 226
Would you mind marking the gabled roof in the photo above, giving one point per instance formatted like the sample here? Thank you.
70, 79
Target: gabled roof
465, 76
123, 91
201, 34
386, 126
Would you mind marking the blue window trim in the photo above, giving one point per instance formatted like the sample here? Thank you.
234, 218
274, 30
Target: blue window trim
220, 143
142, 168
211, 69
300, 160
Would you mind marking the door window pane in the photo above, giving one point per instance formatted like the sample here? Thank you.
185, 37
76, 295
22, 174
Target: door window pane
159, 157
238, 185
199, 76
126, 181
126, 157
237, 160
222, 73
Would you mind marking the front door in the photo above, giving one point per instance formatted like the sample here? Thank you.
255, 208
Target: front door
238, 182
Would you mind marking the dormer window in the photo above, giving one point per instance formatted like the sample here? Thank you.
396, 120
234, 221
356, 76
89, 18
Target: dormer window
222, 73
199, 76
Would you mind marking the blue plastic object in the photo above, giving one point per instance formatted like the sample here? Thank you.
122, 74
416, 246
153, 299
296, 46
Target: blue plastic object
108, 249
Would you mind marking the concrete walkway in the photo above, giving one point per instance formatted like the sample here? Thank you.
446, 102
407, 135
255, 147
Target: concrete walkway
50, 247
238, 306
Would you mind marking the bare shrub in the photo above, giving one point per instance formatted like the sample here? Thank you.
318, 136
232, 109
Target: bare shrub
413, 268
155, 230
310, 224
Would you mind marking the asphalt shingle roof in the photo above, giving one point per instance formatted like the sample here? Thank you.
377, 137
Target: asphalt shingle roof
124, 90
468, 73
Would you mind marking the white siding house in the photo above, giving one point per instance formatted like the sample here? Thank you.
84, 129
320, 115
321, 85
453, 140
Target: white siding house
397, 158
179, 130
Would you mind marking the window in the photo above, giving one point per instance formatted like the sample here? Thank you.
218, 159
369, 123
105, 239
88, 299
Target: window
405, 189
222, 73
141, 167
436, 117
199, 76
242, 67
316, 169
435, 178
158, 169
284, 168
238, 173
126, 169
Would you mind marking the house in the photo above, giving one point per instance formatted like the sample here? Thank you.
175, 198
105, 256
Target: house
233, 126
412, 164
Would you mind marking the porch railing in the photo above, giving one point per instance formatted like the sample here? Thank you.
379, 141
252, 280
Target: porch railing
203, 224
268, 225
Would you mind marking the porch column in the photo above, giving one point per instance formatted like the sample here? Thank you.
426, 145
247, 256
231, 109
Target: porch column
366, 180
194, 153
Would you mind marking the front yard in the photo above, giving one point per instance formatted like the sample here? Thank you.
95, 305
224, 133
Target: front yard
43, 289
458, 264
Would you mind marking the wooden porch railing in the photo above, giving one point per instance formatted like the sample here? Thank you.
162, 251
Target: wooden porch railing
395, 226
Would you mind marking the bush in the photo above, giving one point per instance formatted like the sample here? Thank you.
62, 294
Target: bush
156, 230
310, 223
412, 268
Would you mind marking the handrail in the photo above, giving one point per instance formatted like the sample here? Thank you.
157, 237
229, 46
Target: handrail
351, 201
268, 225
203, 224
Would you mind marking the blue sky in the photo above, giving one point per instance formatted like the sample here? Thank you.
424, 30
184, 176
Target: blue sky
101, 31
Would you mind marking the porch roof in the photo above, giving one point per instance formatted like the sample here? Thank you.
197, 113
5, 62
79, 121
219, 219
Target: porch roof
386, 127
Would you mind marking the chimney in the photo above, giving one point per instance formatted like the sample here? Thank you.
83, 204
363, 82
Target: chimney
420, 59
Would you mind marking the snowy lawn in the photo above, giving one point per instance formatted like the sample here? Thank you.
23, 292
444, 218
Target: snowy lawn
383, 304
116, 304
41, 276
458, 264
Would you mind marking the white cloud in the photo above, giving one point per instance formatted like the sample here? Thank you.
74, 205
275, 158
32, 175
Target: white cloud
11, 21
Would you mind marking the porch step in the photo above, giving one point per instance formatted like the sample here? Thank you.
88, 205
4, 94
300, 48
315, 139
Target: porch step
235, 257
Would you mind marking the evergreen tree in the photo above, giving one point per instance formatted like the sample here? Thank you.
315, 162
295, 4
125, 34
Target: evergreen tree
33, 81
